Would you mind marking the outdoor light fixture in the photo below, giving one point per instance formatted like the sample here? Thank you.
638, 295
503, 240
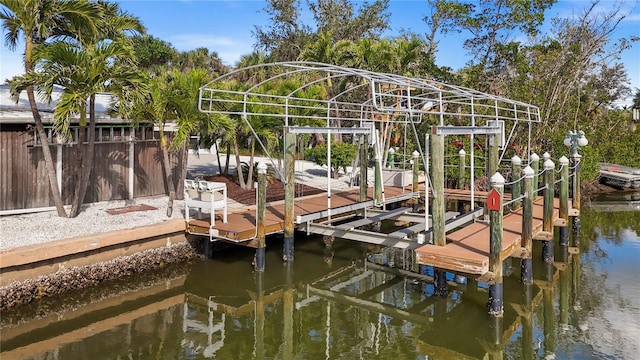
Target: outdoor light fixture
575, 139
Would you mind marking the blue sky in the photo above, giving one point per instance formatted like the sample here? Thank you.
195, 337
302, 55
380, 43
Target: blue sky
226, 26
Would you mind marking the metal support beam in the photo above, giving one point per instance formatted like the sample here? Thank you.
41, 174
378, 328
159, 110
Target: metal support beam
353, 207
465, 130
334, 130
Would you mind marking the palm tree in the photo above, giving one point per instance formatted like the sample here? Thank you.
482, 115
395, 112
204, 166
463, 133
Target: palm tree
190, 119
109, 43
99, 72
36, 21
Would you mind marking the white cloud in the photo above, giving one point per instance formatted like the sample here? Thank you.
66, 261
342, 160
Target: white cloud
192, 41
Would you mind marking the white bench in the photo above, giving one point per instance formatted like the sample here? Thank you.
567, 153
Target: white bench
207, 195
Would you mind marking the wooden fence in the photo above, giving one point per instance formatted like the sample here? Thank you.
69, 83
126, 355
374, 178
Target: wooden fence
127, 164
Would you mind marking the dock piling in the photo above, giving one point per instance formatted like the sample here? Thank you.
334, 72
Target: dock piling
535, 165
495, 304
516, 169
564, 200
526, 266
575, 194
437, 178
261, 211
547, 220
289, 197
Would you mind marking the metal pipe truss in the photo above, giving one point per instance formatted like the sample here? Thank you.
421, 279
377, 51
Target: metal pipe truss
302, 91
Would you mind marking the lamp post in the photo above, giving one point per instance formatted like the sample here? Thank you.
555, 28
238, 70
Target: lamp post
574, 139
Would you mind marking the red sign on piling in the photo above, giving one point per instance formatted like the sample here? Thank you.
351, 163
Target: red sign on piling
493, 200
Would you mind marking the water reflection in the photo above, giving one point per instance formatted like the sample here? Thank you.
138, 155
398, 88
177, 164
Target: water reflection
351, 302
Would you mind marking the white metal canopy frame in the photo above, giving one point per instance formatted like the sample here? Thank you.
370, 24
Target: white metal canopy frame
303, 94
362, 93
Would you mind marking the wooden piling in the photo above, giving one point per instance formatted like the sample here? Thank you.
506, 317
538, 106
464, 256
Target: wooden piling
547, 215
526, 266
415, 165
461, 168
564, 200
364, 159
261, 211
289, 195
575, 196
438, 206
437, 178
535, 165
495, 304
516, 169
493, 157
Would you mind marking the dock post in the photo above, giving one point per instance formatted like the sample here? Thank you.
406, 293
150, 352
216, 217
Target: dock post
415, 165
437, 207
364, 157
575, 195
289, 193
516, 170
526, 264
564, 200
492, 157
391, 161
461, 176
535, 165
495, 304
261, 211
547, 217
437, 178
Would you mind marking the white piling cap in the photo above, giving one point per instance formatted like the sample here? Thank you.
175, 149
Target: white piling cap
546, 156
391, 150
497, 179
262, 167
535, 157
563, 160
462, 152
528, 172
415, 154
515, 160
549, 164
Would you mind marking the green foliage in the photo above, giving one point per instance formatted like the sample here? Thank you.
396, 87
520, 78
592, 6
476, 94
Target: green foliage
152, 52
342, 155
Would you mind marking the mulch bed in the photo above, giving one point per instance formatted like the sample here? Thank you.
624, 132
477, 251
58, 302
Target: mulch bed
275, 190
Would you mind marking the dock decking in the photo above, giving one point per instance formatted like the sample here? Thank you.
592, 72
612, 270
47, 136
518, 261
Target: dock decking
467, 249
241, 224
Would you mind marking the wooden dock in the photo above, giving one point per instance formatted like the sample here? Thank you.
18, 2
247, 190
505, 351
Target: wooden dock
241, 224
467, 249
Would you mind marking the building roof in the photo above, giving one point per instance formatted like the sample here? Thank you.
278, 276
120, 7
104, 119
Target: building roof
12, 112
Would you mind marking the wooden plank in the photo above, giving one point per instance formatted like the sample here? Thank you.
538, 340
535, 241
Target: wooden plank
467, 250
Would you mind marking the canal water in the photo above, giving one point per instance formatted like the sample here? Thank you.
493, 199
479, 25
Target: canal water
353, 302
